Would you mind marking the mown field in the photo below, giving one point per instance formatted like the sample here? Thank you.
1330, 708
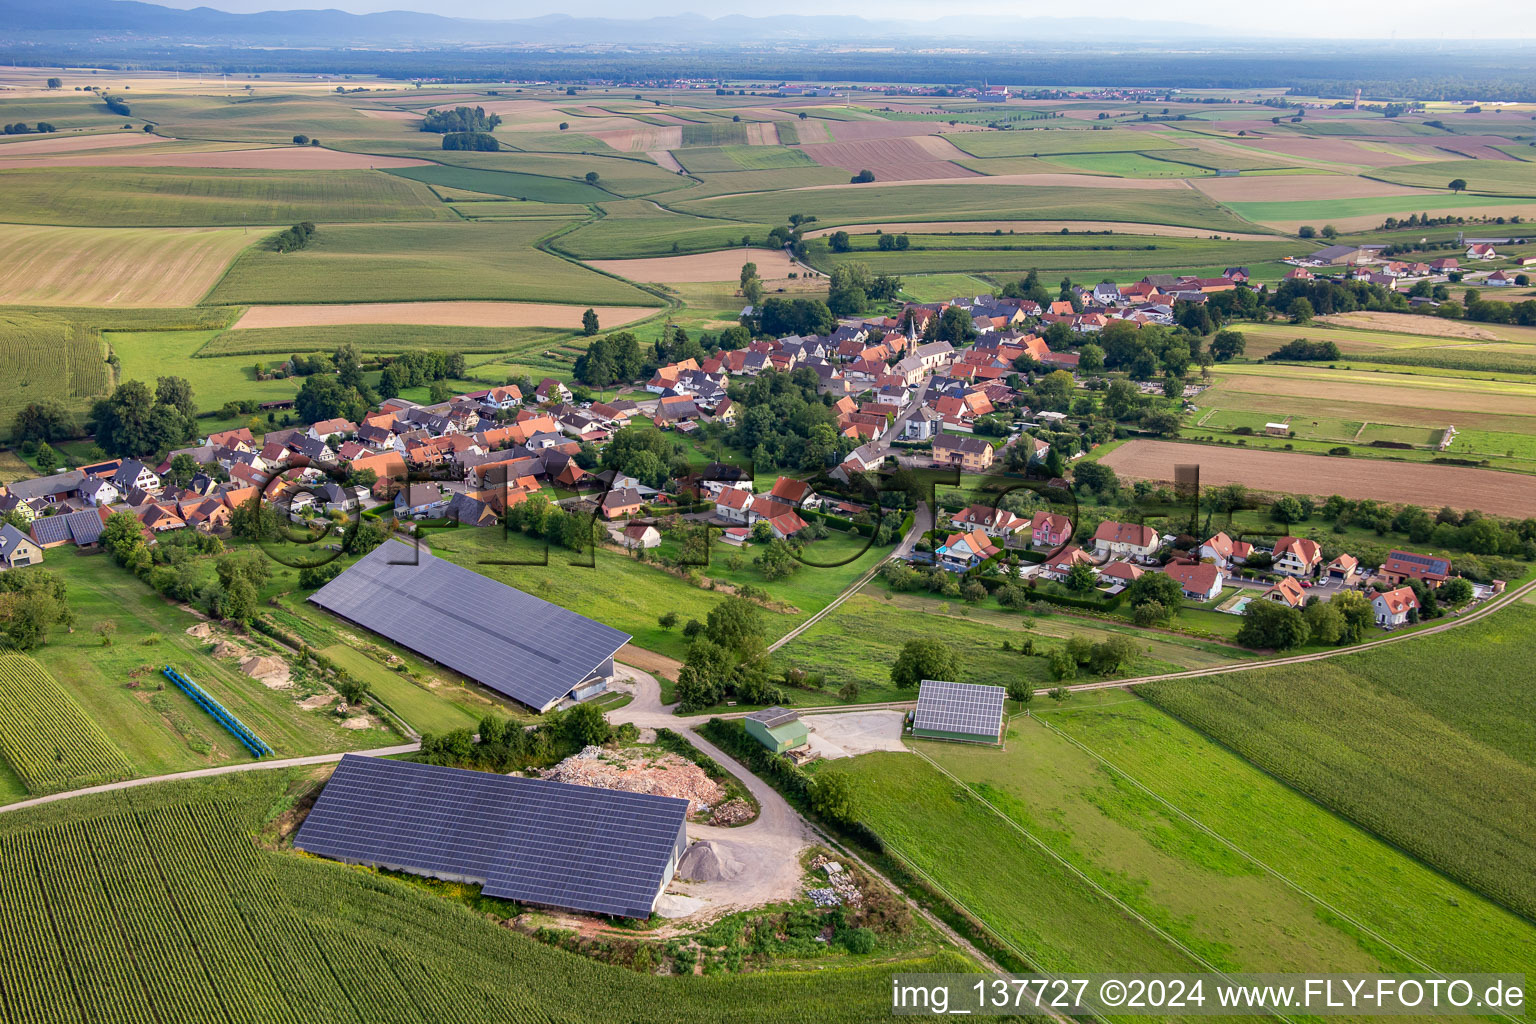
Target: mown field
1127, 256
858, 642
640, 228
536, 188
1048, 142
144, 355
45, 737
116, 266
160, 906
1494, 177
1429, 744
874, 203
1120, 809
188, 197
404, 262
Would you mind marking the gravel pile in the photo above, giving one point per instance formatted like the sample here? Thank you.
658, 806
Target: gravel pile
841, 889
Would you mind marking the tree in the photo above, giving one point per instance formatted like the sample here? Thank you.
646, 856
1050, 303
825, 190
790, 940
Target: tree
177, 393
701, 681
592, 177
864, 177
1301, 311
584, 724
55, 83
736, 625
1270, 624
839, 241
1329, 231
1286, 509
47, 420
239, 604
776, 561
1306, 231
1457, 184
1227, 345
831, 796
1081, 577
104, 629
1090, 359
183, 468
955, 326
924, 659
301, 140
253, 519
589, 325
1020, 691
1325, 623
47, 459
1455, 591
1155, 587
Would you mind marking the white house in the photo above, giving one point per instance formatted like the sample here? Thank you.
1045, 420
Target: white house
133, 473
1297, 556
1125, 540
734, 505
1200, 581
1225, 551
1393, 607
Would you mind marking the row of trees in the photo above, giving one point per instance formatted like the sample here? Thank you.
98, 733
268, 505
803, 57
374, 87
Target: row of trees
294, 238
460, 120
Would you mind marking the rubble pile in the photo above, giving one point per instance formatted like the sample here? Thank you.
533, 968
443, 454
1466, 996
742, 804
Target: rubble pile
640, 772
840, 891
732, 812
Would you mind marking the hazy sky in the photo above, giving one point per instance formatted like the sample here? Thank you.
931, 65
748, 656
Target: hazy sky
1402, 19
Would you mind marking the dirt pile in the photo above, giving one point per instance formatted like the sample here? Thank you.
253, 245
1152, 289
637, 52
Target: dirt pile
201, 630
225, 649
640, 772
272, 672
733, 812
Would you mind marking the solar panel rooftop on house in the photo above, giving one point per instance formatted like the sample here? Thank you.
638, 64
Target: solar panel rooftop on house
576, 847
1426, 562
51, 530
85, 526
959, 708
532, 651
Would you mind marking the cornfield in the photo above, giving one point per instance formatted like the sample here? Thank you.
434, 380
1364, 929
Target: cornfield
45, 737
157, 907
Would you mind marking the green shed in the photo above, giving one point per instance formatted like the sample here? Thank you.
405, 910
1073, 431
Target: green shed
778, 729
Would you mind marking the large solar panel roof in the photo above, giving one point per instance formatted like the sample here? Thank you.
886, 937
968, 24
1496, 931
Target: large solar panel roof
1429, 562
577, 847
85, 526
51, 530
959, 707
532, 651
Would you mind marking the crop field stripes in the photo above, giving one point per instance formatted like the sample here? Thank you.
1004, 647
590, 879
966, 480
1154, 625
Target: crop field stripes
46, 737
1244, 854
1079, 874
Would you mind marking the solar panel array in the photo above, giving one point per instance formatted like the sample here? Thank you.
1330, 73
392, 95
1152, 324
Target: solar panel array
82, 527
531, 840
960, 707
1426, 562
514, 643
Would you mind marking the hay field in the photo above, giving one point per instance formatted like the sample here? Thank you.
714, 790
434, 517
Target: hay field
288, 158
196, 197
488, 260
51, 144
54, 266
773, 265
1050, 142
1367, 213
447, 314
1507, 177
1504, 494
1382, 389
1299, 187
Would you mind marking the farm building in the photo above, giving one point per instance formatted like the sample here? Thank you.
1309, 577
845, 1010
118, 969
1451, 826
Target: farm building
959, 711
530, 650
777, 729
536, 841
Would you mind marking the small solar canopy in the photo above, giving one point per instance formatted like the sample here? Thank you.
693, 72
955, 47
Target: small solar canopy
959, 711
531, 840
514, 643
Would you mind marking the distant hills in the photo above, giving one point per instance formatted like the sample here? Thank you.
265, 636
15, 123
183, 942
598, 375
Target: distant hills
104, 21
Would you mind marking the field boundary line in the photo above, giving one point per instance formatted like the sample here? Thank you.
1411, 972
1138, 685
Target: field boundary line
1119, 904
1201, 826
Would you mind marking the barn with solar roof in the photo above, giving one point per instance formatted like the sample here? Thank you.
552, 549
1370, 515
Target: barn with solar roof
965, 712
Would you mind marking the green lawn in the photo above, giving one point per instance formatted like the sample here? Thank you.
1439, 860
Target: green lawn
190, 197
1125, 257
147, 355
640, 228
1429, 743
380, 262
1281, 211
422, 708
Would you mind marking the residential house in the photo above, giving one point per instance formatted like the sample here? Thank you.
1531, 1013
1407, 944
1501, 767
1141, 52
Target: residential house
1287, 592
159, 518
994, 522
786, 524
1297, 556
621, 503
971, 454
962, 551
240, 438
796, 493
100, 491
1444, 265
1225, 551
1499, 279
1201, 581
1125, 540
1121, 573
734, 504
1060, 564
1402, 566
208, 516
11, 503
1049, 530
1394, 607
639, 535
133, 473
17, 549
327, 429
421, 500
1481, 251
503, 399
